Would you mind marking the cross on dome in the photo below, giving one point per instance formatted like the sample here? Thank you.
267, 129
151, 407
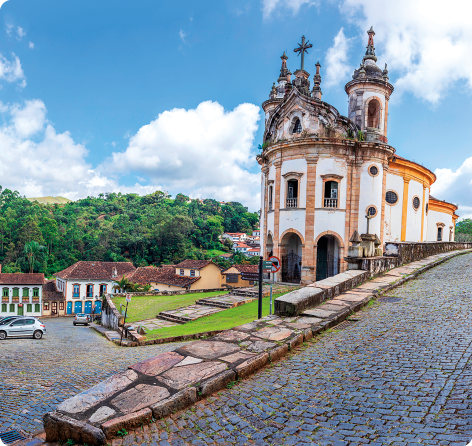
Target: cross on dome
302, 49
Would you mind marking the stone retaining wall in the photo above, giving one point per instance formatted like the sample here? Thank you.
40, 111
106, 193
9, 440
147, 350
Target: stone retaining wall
111, 317
412, 251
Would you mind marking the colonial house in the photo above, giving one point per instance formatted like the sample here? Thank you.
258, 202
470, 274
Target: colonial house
233, 276
21, 294
54, 302
187, 275
85, 282
251, 252
325, 176
256, 232
241, 247
234, 236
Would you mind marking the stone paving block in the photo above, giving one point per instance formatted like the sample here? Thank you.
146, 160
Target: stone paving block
126, 422
158, 364
209, 349
102, 414
188, 361
230, 336
179, 401
217, 382
238, 356
258, 346
319, 313
309, 320
251, 365
181, 377
273, 333
278, 352
139, 397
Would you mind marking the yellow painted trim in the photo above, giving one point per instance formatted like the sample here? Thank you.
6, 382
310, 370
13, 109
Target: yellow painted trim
412, 171
422, 213
442, 206
406, 184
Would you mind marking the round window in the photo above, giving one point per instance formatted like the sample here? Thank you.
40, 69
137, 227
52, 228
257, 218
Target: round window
372, 211
373, 170
416, 202
391, 197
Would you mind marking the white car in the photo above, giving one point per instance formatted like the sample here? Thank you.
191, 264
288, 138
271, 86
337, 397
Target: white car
24, 326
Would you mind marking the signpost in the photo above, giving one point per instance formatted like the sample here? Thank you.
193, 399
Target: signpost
275, 268
128, 300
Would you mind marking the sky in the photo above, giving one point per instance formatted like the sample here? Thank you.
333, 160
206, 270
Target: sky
108, 96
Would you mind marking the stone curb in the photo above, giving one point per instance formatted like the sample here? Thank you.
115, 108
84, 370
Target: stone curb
260, 331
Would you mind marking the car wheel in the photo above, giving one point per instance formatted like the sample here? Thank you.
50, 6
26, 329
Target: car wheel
38, 334
86, 325
3, 335
74, 324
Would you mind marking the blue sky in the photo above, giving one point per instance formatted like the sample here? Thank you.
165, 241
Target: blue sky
139, 96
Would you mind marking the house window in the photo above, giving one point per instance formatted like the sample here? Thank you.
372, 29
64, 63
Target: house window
29, 308
440, 234
373, 114
391, 197
12, 308
4, 308
331, 194
61, 306
416, 203
192, 273
297, 126
35, 292
46, 306
181, 272
5, 292
103, 290
25, 292
76, 292
89, 290
292, 194
16, 292
231, 278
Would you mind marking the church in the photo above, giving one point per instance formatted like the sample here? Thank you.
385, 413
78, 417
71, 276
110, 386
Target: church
325, 176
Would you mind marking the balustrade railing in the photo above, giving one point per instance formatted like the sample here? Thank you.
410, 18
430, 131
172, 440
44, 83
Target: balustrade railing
330, 202
291, 203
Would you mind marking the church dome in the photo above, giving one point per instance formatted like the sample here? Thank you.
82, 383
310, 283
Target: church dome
368, 69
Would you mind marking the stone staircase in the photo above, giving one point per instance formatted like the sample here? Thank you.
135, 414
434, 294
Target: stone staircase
227, 301
188, 314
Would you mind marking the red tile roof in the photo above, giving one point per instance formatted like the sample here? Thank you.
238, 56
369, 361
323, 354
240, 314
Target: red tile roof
253, 269
193, 264
96, 270
21, 279
51, 293
149, 274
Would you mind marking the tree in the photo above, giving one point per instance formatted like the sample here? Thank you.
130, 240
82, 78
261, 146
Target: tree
33, 253
124, 285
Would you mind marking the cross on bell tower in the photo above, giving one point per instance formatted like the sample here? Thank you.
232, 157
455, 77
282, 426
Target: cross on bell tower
302, 49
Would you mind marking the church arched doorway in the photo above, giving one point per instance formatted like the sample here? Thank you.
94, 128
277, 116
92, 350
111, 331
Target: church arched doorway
291, 253
269, 246
327, 257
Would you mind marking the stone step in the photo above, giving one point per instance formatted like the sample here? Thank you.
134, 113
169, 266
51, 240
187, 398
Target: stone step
188, 314
211, 303
168, 317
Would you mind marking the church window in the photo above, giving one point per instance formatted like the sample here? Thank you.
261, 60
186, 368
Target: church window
427, 208
391, 197
373, 114
374, 171
297, 126
292, 193
416, 203
439, 234
271, 192
371, 211
331, 194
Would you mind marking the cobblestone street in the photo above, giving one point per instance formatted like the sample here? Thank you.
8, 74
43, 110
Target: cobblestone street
38, 375
401, 375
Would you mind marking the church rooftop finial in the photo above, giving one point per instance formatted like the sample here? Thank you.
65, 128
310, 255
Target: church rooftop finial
370, 53
284, 70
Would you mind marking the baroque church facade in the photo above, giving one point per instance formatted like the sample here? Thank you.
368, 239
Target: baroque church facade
325, 175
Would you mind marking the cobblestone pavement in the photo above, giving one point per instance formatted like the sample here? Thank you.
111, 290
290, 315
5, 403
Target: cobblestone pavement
35, 376
401, 375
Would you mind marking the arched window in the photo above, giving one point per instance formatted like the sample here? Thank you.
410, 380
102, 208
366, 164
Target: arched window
297, 126
439, 234
373, 114
292, 193
271, 192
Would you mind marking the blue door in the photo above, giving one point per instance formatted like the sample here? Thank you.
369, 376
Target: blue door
78, 307
88, 307
69, 307
98, 307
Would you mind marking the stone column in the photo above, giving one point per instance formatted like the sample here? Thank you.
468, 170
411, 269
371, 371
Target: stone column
422, 212
355, 195
308, 253
382, 211
264, 210
276, 203
406, 184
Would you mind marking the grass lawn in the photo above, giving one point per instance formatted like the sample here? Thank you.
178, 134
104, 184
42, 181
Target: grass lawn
147, 307
216, 252
220, 321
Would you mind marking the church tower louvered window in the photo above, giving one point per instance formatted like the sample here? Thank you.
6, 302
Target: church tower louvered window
297, 127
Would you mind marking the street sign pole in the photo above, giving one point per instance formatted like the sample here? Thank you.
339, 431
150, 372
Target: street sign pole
128, 298
270, 310
259, 309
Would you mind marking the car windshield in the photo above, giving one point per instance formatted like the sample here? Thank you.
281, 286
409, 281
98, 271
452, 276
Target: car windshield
81, 315
6, 320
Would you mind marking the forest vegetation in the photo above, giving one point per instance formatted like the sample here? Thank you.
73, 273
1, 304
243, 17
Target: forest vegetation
153, 229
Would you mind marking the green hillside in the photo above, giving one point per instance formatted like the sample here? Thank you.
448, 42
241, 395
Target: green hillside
50, 200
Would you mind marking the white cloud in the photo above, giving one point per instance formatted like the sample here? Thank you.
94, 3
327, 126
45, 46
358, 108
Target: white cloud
11, 71
182, 35
20, 32
9, 28
205, 152
38, 161
455, 187
337, 67
270, 6
426, 43
31, 45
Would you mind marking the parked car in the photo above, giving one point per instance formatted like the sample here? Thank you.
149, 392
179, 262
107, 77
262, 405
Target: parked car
22, 326
81, 318
7, 319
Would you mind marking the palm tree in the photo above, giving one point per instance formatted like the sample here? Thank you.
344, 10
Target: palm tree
124, 285
33, 252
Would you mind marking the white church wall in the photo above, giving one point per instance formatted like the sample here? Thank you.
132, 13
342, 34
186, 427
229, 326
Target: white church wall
435, 217
292, 219
327, 166
270, 222
370, 195
393, 213
413, 218
330, 220
298, 165
425, 221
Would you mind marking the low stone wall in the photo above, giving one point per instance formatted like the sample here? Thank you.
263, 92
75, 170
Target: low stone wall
170, 293
111, 317
411, 251
294, 303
